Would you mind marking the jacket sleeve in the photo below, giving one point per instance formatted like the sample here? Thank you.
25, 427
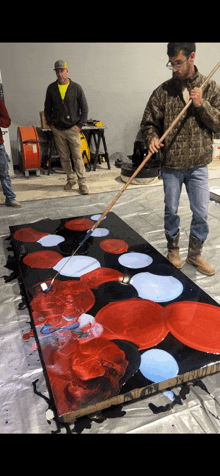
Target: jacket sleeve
5, 120
83, 108
152, 121
48, 108
209, 112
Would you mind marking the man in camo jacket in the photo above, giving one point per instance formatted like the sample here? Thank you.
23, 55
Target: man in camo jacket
187, 149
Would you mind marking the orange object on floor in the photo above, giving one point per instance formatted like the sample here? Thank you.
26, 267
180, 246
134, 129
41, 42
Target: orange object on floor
29, 148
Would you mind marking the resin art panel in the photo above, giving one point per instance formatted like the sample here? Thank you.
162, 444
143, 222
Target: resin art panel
119, 317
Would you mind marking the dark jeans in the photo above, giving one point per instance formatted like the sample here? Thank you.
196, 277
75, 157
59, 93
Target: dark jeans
197, 187
4, 176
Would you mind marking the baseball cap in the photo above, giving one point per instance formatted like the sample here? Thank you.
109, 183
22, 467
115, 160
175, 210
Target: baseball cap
60, 64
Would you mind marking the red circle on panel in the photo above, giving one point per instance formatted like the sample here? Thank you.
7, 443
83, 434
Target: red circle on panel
42, 259
101, 275
28, 235
136, 320
79, 224
114, 246
195, 324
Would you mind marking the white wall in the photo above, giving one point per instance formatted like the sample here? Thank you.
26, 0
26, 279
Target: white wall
117, 78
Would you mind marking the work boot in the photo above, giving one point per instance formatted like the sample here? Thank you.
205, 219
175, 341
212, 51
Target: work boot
173, 250
83, 189
14, 204
195, 258
69, 186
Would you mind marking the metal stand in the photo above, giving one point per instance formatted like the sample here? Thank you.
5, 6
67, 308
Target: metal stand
98, 134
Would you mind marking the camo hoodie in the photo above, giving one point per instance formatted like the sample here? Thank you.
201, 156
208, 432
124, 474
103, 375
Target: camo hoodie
189, 144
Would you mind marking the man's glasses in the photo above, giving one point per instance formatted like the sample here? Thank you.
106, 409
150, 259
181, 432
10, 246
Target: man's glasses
169, 65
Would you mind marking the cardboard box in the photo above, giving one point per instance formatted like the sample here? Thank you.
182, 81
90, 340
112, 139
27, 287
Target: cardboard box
44, 125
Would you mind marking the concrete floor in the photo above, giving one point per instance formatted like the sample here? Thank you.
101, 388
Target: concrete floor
52, 186
102, 180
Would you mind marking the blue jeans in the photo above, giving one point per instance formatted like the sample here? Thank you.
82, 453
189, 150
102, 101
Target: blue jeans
4, 176
197, 187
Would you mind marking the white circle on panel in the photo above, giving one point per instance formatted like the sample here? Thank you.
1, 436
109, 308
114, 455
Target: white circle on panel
157, 288
51, 240
77, 266
96, 217
135, 260
100, 232
158, 365
85, 319
93, 327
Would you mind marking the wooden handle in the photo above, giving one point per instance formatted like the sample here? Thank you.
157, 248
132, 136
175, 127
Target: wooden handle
150, 154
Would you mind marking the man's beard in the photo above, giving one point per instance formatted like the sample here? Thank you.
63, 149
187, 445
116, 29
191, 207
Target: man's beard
182, 77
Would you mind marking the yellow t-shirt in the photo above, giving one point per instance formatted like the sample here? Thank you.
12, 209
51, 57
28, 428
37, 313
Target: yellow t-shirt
63, 89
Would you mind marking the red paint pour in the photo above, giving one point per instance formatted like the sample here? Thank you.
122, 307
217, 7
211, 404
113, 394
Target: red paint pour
195, 324
101, 275
79, 224
114, 246
28, 235
83, 373
28, 335
136, 320
65, 299
42, 259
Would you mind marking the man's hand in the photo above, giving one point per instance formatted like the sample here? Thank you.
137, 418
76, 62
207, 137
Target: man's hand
154, 145
196, 96
77, 128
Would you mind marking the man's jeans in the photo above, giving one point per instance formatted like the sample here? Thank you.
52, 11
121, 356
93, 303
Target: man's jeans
4, 176
197, 187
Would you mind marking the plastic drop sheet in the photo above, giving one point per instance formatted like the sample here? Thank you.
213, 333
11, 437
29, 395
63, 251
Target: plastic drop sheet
24, 398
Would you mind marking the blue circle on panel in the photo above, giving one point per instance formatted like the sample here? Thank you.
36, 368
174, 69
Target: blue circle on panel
96, 217
76, 266
100, 232
157, 288
51, 240
135, 260
158, 365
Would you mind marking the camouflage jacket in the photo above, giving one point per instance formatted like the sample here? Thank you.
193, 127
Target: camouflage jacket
189, 144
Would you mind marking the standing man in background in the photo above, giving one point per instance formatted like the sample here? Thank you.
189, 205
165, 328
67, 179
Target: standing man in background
187, 149
66, 111
5, 122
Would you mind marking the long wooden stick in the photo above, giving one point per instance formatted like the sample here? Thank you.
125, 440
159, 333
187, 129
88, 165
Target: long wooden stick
44, 286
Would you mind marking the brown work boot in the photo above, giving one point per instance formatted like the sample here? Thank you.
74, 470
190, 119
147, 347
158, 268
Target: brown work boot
69, 186
15, 204
83, 189
195, 258
173, 250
